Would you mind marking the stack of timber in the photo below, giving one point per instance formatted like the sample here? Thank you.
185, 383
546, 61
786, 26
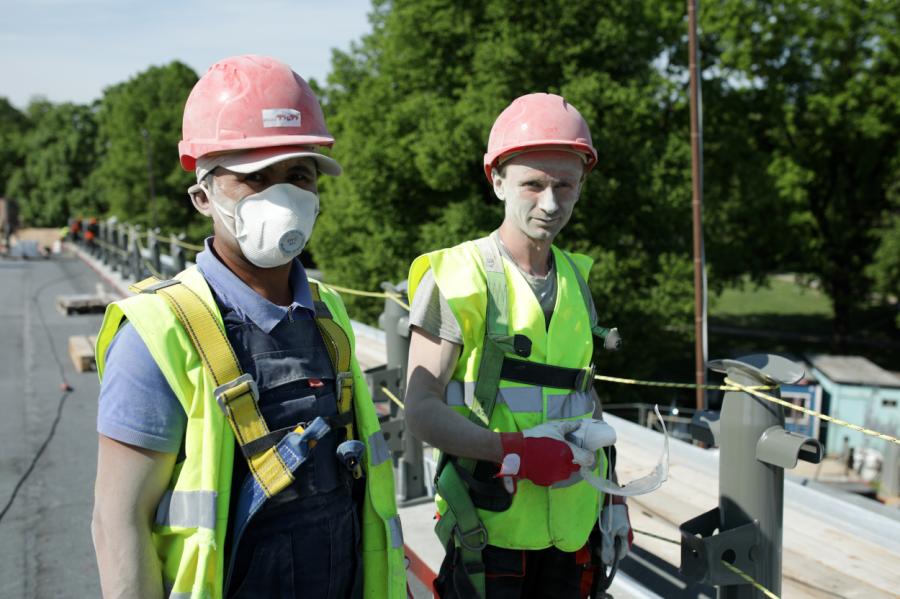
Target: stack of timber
81, 351
85, 303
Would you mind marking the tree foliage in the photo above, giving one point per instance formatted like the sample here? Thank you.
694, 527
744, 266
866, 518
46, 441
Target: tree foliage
817, 85
411, 108
13, 125
140, 126
58, 153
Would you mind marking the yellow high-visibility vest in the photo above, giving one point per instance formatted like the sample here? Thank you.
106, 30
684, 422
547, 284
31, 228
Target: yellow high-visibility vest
564, 514
190, 528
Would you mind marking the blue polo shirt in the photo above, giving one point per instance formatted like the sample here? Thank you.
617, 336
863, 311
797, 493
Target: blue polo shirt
137, 405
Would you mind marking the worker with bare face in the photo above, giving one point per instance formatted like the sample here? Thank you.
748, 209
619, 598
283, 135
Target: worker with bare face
500, 373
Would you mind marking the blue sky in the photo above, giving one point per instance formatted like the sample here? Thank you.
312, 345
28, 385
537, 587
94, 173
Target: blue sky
69, 50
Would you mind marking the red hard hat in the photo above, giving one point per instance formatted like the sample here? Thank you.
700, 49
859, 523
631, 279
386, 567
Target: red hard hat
247, 102
538, 122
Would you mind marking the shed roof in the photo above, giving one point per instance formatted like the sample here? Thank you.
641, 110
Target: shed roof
853, 370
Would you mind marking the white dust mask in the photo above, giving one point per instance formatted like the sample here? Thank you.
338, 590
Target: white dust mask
272, 226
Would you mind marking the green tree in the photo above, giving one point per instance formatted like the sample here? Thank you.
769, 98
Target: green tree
13, 125
411, 107
59, 153
140, 126
818, 88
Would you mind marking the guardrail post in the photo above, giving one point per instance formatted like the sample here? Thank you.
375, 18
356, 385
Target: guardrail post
177, 253
134, 253
754, 451
153, 248
394, 321
122, 244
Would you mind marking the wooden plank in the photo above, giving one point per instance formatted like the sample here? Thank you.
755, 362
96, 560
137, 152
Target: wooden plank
83, 303
81, 351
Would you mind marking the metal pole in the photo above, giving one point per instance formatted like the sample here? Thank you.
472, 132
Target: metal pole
750, 489
745, 530
395, 323
697, 206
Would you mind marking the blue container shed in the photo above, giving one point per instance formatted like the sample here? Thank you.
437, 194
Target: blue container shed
859, 391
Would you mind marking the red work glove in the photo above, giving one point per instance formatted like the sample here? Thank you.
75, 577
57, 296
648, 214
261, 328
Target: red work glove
542, 460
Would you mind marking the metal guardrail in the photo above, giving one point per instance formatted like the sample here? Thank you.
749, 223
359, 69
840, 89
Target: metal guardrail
134, 253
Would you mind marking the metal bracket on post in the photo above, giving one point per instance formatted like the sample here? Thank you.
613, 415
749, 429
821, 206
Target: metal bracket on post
754, 449
702, 550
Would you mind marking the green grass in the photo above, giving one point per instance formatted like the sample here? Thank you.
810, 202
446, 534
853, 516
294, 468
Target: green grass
782, 296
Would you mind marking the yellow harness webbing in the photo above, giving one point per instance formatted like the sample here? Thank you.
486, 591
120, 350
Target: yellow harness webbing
340, 352
236, 392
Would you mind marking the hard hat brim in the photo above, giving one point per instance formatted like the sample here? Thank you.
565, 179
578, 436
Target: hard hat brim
250, 161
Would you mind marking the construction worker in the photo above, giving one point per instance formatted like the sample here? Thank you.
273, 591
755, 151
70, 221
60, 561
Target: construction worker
240, 454
500, 372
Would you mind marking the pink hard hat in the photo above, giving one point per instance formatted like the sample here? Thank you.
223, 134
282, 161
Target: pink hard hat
248, 102
539, 122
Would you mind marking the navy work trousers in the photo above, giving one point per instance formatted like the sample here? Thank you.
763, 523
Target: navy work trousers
310, 550
515, 574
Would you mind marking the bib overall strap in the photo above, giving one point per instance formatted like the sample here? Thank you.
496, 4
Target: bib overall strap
341, 353
235, 392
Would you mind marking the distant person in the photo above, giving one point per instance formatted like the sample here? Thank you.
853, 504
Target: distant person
240, 454
90, 233
508, 320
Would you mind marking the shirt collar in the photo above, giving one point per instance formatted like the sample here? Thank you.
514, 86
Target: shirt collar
236, 295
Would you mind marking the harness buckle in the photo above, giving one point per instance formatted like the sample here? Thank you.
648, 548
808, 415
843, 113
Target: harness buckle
585, 378
225, 394
341, 377
480, 530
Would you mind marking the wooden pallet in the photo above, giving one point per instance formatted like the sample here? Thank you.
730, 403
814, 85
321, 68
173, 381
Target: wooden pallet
85, 303
81, 351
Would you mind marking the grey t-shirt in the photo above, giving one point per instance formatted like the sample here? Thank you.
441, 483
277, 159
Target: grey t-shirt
431, 312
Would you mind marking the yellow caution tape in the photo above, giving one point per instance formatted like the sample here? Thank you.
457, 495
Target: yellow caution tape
614, 379
392, 397
391, 296
750, 580
825, 417
183, 244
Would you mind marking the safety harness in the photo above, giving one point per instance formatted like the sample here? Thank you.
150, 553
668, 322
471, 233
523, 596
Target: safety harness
454, 477
273, 456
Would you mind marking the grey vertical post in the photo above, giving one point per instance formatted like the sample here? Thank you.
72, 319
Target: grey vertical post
754, 449
122, 244
749, 489
177, 253
890, 473
395, 323
153, 248
134, 247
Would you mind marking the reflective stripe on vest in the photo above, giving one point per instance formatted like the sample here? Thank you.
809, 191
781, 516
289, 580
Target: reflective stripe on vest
378, 448
396, 532
187, 509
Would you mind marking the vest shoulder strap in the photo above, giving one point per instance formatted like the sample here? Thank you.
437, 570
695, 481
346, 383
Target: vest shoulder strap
610, 337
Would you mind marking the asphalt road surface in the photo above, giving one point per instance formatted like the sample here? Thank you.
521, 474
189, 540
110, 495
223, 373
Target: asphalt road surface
45, 539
